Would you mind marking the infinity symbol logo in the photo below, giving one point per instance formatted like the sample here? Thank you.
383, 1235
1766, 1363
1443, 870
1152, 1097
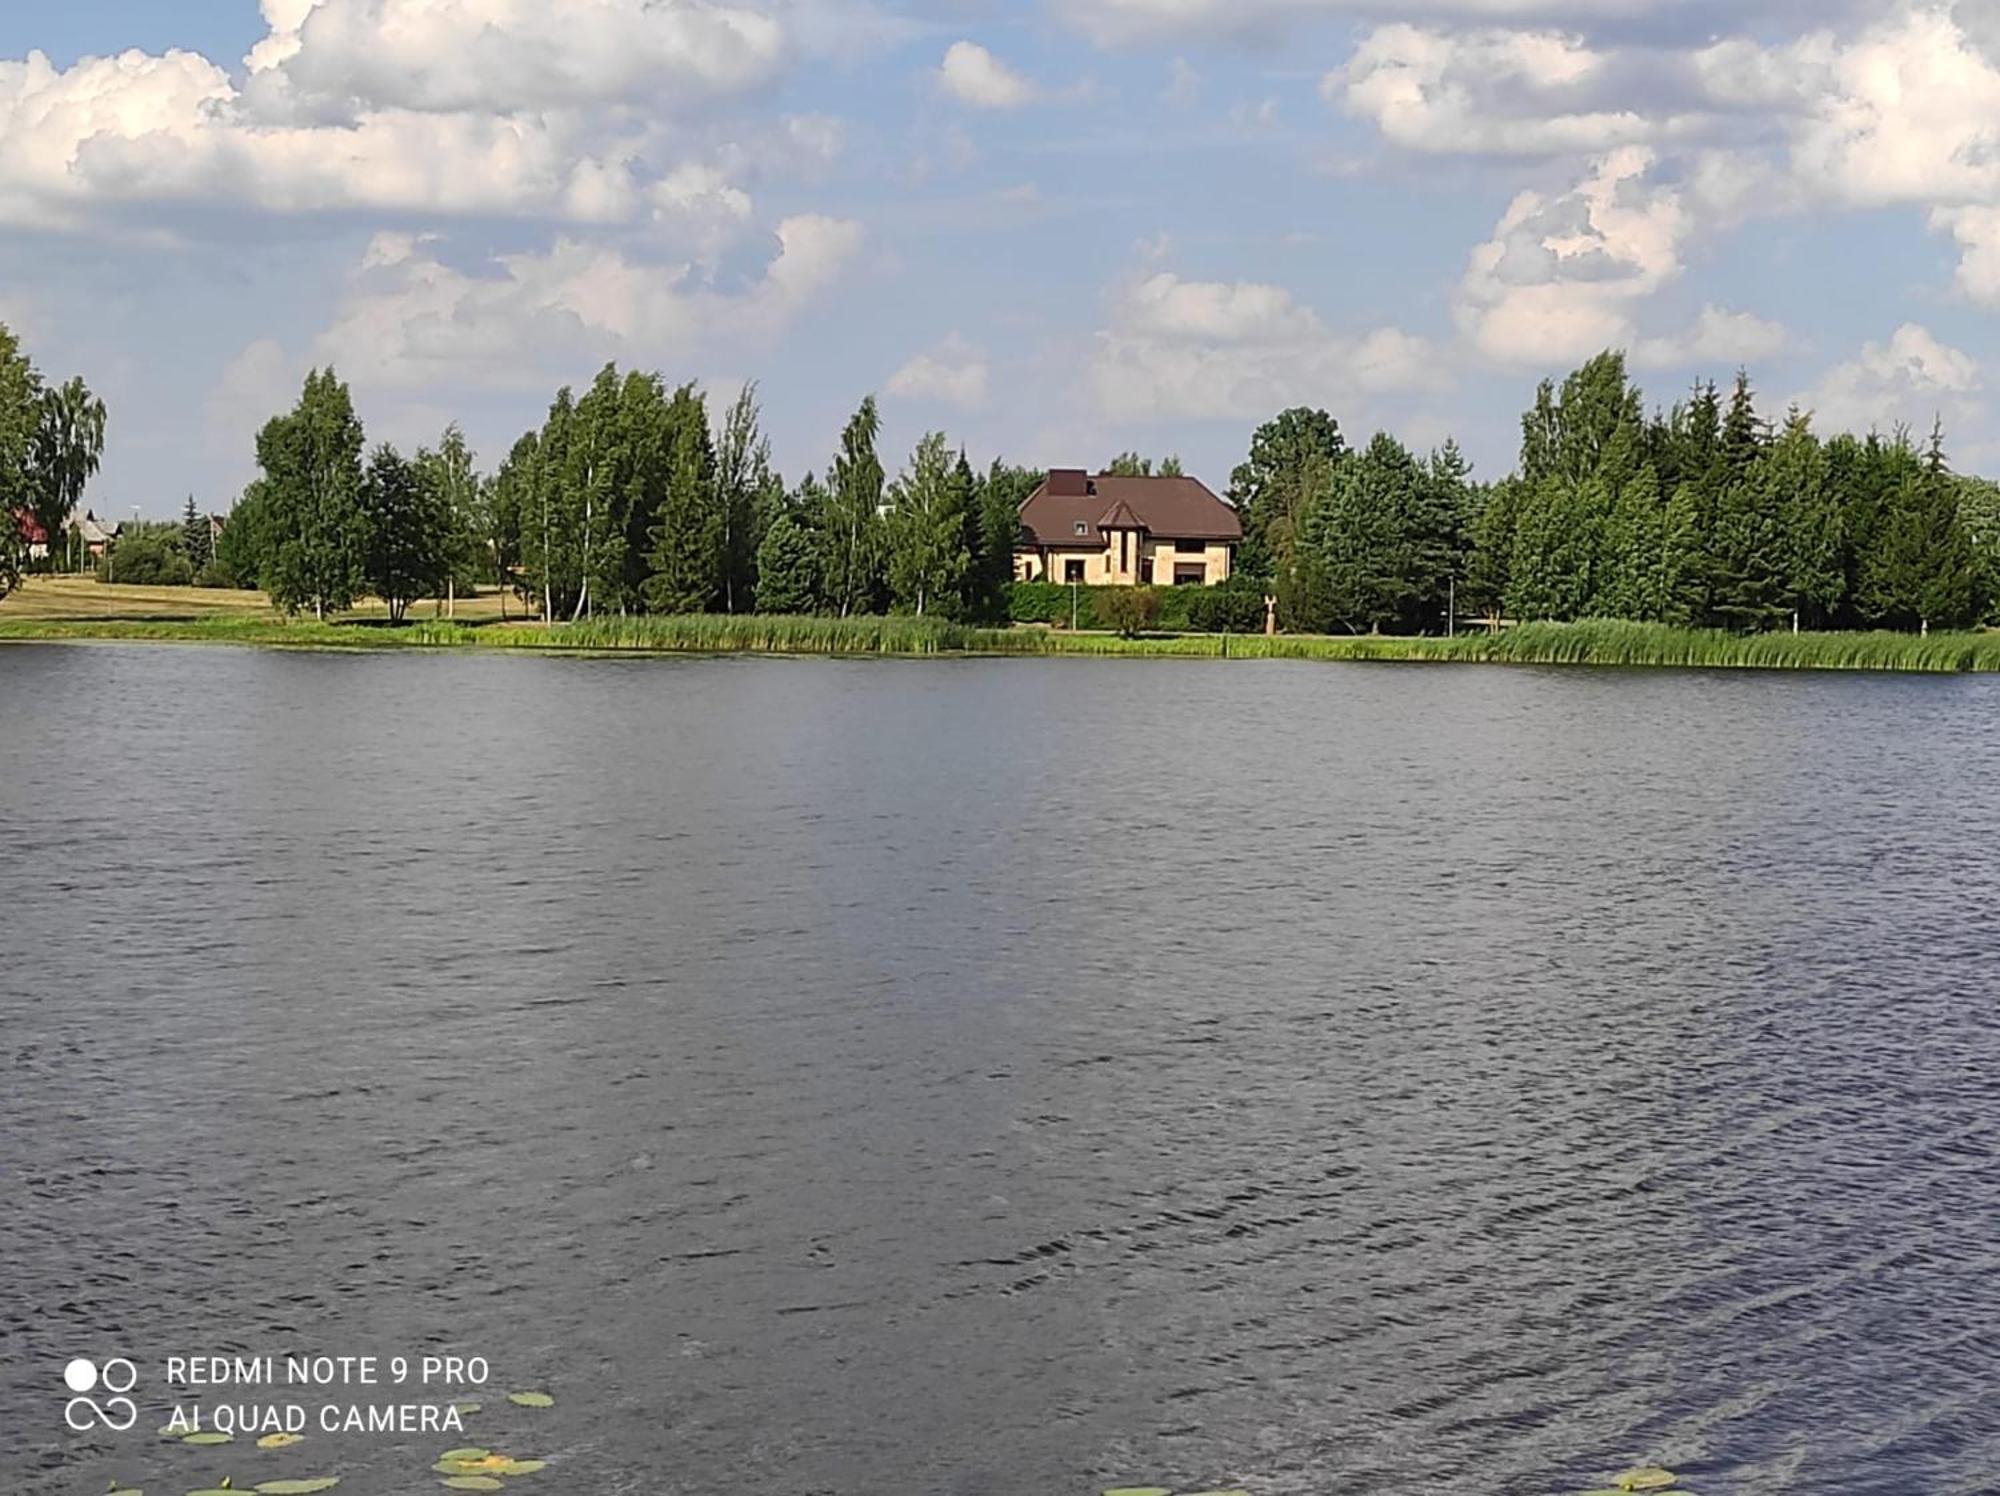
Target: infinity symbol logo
117, 1413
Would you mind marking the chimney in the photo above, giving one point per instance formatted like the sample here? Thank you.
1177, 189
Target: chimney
1068, 483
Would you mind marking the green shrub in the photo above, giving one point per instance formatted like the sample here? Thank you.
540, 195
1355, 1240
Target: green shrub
1129, 610
147, 556
1049, 602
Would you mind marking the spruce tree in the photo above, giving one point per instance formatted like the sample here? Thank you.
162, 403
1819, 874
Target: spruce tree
687, 549
851, 532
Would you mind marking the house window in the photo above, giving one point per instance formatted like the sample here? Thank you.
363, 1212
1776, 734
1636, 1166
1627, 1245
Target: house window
1190, 576
1191, 547
1072, 571
1080, 528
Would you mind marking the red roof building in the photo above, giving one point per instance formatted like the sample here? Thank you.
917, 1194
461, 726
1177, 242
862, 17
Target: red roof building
1107, 531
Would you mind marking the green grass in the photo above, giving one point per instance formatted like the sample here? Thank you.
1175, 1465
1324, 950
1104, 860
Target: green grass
1594, 643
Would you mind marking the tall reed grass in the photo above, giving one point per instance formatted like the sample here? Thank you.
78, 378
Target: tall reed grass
1603, 643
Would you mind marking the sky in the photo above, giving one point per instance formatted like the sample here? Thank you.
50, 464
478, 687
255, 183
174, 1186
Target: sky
1055, 229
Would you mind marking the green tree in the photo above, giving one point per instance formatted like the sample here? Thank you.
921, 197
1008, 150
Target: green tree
999, 495
312, 486
1797, 487
68, 445
195, 536
1979, 512
245, 543
452, 490
1292, 457
147, 555
687, 538
747, 495
851, 530
928, 514
1923, 572
20, 423
1132, 465
406, 533
787, 568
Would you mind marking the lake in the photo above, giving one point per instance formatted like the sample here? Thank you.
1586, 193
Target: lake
1002, 1077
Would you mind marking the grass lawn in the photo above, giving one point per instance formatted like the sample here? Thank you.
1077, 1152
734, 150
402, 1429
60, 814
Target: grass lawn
84, 599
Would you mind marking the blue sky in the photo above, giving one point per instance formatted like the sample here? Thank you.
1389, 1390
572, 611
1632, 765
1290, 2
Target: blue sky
1056, 229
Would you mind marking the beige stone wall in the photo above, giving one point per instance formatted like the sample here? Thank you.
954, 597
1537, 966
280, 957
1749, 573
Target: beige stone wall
1152, 564
1161, 559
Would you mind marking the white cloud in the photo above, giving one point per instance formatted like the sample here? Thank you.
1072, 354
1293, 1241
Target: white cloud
1910, 380
974, 76
955, 373
1237, 350
1561, 275
149, 131
1977, 231
1482, 92
508, 55
1122, 21
410, 320
1716, 338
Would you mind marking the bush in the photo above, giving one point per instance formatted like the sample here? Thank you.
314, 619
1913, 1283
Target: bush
1049, 602
1236, 607
149, 557
1130, 610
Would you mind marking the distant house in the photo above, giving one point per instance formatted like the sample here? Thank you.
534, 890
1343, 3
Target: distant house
1109, 531
32, 534
95, 534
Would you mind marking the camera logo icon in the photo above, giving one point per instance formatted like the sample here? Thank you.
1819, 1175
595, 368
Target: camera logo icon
117, 1376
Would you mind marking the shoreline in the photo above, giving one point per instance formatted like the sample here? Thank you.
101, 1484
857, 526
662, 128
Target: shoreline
1600, 644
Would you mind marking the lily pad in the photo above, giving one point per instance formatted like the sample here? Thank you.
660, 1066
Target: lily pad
472, 1483
280, 1441
1645, 1478
126, 1491
1139, 1491
520, 1467
208, 1436
466, 1407
465, 1454
297, 1487
216, 1491
534, 1400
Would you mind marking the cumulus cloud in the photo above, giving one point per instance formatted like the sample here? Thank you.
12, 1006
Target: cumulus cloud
974, 76
954, 373
1910, 380
506, 55
576, 112
1483, 92
410, 320
1716, 338
1561, 275
1977, 231
1121, 21
1238, 350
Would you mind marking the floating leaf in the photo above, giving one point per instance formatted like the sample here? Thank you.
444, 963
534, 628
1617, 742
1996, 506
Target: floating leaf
473, 1483
1139, 1491
520, 1467
465, 1454
126, 1491
215, 1491
1219, 1493
207, 1437
466, 1407
297, 1487
539, 1400
280, 1441
1645, 1478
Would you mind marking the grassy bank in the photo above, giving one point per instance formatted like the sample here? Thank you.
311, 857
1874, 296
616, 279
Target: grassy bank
1602, 643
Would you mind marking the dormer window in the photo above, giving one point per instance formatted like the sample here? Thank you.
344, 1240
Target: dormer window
1081, 528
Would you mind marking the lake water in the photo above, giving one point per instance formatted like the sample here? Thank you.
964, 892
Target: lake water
1007, 1077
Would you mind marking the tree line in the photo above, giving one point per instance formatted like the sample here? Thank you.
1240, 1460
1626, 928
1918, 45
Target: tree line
51, 440
628, 499
1706, 514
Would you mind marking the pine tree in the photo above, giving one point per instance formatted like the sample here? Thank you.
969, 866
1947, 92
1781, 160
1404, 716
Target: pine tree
195, 539
1922, 573
687, 553
787, 568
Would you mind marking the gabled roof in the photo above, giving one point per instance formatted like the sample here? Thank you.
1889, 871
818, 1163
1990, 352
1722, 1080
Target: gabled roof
1168, 508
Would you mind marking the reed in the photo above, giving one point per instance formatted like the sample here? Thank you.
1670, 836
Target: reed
1599, 643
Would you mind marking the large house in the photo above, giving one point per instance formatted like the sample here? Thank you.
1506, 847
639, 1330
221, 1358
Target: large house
1107, 531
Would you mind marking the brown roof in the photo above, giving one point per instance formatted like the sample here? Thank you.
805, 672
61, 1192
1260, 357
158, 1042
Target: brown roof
1168, 508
